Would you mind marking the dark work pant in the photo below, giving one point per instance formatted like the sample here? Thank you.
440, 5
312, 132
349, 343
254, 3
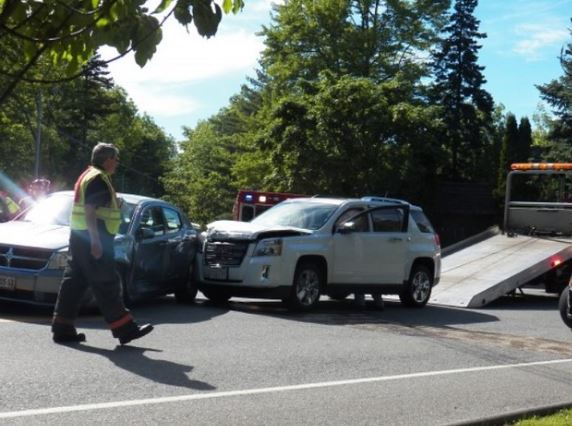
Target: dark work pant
83, 271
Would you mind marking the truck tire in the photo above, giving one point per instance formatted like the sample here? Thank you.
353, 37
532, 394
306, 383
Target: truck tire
417, 291
306, 287
564, 308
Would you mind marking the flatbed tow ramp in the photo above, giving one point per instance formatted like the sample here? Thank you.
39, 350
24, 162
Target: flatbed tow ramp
537, 240
477, 275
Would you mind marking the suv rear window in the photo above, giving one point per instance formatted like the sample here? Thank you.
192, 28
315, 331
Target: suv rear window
390, 220
422, 222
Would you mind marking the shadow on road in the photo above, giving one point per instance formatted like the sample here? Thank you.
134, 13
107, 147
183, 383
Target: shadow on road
164, 310
133, 359
330, 312
537, 300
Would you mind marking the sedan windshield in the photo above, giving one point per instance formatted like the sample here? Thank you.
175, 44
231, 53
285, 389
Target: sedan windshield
56, 210
53, 210
305, 215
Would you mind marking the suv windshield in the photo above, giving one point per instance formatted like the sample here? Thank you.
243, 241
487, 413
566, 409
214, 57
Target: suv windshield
56, 210
305, 215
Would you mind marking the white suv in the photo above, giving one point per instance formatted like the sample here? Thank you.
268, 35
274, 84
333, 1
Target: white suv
305, 247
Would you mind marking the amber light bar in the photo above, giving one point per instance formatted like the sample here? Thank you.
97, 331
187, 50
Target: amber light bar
541, 166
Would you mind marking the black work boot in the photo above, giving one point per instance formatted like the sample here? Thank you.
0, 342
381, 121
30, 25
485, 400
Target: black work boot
131, 331
66, 333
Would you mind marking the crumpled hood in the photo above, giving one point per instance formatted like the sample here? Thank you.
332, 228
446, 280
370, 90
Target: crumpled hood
234, 230
28, 234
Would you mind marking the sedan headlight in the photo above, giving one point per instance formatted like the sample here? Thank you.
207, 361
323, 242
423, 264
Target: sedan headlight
269, 248
58, 260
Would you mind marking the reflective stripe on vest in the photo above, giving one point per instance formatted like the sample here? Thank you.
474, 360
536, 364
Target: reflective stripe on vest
111, 215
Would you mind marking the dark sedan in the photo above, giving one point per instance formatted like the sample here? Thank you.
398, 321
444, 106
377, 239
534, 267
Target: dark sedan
154, 250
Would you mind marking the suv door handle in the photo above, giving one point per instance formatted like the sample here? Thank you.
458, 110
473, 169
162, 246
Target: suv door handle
395, 239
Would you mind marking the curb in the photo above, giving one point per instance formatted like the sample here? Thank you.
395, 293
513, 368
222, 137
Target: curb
513, 416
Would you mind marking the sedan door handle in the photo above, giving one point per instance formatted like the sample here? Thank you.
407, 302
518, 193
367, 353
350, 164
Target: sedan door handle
395, 239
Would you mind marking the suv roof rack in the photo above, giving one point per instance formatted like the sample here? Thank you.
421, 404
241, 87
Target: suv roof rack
383, 199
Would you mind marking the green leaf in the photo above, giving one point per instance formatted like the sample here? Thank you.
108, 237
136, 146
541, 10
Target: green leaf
164, 5
237, 6
147, 37
183, 12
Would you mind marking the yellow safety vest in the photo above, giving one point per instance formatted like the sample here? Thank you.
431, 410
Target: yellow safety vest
111, 215
12, 206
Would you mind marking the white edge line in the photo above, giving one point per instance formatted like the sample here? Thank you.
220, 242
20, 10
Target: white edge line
192, 397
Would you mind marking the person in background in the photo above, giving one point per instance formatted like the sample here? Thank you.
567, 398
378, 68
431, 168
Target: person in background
37, 190
95, 220
359, 299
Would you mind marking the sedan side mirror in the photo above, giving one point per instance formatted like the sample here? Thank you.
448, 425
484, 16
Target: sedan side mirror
145, 233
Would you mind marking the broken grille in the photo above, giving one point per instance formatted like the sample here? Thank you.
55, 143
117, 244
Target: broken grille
225, 253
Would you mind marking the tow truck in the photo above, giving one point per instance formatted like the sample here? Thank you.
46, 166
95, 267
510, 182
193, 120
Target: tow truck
533, 246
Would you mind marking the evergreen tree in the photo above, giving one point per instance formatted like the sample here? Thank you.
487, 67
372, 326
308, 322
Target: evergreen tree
458, 88
507, 153
74, 111
558, 94
524, 143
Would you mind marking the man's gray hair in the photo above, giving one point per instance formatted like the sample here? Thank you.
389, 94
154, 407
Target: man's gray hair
101, 152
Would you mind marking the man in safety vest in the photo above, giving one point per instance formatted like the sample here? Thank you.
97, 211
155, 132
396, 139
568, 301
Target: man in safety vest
95, 220
12, 207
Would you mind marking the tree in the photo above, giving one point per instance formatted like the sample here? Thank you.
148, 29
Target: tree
70, 32
199, 178
76, 115
524, 144
342, 79
558, 94
338, 107
508, 153
74, 110
373, 38
458, 88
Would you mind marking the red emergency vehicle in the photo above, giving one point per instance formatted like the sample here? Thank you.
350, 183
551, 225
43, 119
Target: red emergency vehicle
249, 204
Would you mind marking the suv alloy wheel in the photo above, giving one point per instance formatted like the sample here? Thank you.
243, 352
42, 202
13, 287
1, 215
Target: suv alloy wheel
417, 291
306, 288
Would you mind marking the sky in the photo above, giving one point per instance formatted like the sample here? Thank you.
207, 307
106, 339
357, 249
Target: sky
191, 78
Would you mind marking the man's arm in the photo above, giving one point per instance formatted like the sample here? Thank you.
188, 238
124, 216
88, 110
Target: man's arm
91, 222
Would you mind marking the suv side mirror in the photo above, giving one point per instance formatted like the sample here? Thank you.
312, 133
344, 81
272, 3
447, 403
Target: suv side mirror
347, 228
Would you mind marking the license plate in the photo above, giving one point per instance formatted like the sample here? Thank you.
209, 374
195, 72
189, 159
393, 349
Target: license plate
220, 274
7, 283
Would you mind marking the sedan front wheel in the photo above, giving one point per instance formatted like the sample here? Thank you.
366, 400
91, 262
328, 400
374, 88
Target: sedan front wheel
187, 292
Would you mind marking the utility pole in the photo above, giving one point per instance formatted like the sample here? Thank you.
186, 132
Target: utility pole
38, 132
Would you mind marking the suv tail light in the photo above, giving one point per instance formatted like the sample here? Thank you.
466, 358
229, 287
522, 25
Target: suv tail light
437, 240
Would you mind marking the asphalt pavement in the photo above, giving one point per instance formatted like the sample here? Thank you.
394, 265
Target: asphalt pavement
253, 362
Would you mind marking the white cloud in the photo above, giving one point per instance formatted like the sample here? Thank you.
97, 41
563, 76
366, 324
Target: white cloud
184, 58
262, 5
536, 39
